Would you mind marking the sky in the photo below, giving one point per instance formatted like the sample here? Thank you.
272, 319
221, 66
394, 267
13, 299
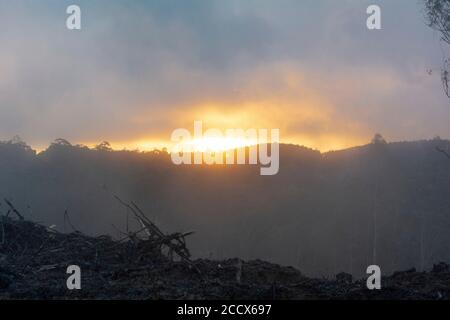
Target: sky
137, 70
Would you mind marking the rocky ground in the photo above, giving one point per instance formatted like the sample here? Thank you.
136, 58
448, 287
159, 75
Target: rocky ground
34, 259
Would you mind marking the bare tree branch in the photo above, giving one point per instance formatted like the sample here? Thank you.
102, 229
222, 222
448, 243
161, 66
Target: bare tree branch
438, 17
443, 152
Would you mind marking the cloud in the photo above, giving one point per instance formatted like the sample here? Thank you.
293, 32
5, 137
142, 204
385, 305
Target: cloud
137, 70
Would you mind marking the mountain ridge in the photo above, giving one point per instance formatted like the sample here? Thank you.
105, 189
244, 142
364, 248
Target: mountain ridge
318, 213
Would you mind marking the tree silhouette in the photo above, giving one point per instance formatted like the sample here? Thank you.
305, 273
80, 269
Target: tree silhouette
103, 146
378, 139
61, 142
438, 17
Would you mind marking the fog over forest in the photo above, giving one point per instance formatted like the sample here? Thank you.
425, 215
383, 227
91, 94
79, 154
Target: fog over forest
383, 203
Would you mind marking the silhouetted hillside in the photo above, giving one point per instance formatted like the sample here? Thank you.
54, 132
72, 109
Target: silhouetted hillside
322, 213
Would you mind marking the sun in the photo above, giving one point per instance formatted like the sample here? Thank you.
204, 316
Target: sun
216, 144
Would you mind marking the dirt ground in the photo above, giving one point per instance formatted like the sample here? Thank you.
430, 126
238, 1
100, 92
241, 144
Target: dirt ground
34, 260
